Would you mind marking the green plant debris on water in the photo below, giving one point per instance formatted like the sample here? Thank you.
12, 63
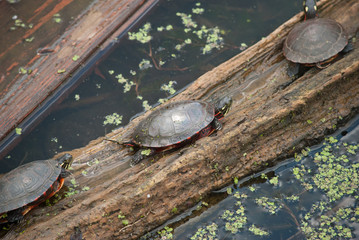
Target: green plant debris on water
236, 220
270, 205
258, 231
142, 35
114, 119
243, 46
167, 28
169, 87
146, 105
264, 176
197, 10
334, 172
127, 85
145, 64
162, 100
251, 188
166, 233
208, 38
274, 181
235, 180
209, 232
213, 38
18, 131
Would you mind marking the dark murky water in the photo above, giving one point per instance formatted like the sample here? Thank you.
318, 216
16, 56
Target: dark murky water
136, 75
312, 196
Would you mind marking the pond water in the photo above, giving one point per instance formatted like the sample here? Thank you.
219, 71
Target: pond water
311, 196
169, 48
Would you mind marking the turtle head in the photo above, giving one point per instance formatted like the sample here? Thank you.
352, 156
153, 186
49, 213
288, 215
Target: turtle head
65, 160
222, 107
310, 9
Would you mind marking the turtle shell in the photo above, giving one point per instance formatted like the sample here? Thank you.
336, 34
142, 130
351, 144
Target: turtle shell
26, 183
173, 123
315, 40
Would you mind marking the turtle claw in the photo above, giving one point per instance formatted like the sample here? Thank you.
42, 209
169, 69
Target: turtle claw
138, 157
217, 124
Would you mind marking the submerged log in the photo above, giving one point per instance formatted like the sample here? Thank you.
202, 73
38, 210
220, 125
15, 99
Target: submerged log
268, 122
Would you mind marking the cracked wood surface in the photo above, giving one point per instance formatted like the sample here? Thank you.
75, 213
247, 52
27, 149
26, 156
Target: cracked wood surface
90, 32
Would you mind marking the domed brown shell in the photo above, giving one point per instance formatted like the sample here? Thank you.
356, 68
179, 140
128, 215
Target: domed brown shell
26, 183
173, 123
315, 40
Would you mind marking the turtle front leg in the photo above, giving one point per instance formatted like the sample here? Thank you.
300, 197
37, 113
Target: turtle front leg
216, 124
141, 154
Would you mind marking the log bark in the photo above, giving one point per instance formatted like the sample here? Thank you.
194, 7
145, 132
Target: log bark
91, 31
269, 121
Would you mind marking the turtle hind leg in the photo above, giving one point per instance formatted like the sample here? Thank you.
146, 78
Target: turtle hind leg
349, 47
296, 70
141, 154
15, 215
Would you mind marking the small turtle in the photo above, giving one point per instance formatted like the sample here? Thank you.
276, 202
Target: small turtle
175, 125
315, 41
27, 186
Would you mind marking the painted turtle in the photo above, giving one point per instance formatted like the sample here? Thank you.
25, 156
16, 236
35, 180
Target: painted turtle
175, 125
315, 41
29, 185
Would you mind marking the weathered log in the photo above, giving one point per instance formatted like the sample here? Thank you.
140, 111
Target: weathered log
268, 122
90, 32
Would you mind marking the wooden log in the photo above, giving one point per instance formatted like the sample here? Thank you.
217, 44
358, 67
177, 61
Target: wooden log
264, 125
91, 31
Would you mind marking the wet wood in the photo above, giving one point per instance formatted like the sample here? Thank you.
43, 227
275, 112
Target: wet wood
90, 32
268, 122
